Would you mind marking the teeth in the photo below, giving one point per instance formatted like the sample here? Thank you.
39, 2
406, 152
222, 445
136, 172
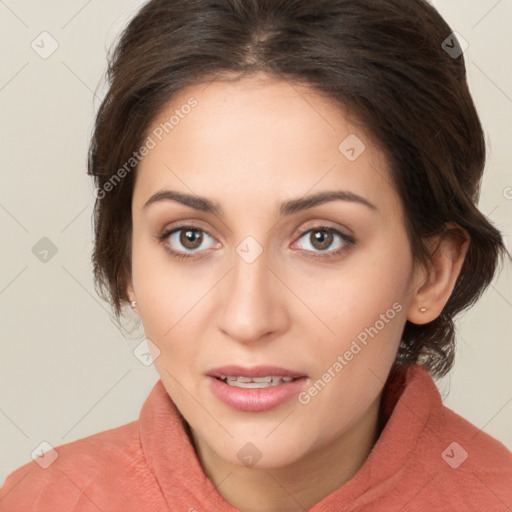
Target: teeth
240, 379
260, 379
256, 382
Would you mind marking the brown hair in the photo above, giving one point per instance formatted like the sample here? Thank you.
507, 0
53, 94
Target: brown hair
385, 61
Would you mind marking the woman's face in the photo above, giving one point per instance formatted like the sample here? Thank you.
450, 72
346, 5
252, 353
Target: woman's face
255, 272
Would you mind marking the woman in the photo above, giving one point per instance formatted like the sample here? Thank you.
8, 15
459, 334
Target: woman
286, 196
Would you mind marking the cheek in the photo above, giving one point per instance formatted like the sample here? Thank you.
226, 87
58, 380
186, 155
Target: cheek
171, 300
158, 287
361, 288
364, 307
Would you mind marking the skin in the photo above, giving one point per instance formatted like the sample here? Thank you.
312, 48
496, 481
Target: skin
250, 145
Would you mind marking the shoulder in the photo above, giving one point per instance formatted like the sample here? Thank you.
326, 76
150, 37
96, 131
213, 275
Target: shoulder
444, 459
76, 475
468, 467
469, 443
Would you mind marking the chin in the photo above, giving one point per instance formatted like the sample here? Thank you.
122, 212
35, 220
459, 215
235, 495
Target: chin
259, 452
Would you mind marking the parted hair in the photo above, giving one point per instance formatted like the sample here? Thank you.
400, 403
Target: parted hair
393, 64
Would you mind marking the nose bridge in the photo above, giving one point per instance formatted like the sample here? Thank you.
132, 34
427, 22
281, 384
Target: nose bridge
252, 305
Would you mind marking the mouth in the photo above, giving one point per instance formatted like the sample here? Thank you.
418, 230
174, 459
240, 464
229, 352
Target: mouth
255, 389
255, 382
264, 374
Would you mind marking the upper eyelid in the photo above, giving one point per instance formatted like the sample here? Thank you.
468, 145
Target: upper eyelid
318, 226
324, 226
177, 227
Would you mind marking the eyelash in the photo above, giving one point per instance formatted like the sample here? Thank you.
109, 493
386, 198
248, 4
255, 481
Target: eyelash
348, 240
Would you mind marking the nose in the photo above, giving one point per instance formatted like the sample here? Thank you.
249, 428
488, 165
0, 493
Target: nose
253, 302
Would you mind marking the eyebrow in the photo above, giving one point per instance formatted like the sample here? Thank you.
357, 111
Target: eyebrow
287, 208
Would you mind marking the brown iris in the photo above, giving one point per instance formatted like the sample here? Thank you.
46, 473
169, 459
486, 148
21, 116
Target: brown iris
191, 238
321, 239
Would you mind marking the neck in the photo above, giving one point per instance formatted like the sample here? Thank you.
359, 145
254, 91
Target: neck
300, 484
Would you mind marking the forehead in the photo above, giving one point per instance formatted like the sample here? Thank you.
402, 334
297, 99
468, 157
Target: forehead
258, 111
258, 135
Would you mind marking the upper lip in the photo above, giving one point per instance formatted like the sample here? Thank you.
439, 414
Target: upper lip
253, 371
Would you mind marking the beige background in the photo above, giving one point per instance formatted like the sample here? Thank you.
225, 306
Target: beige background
66, 371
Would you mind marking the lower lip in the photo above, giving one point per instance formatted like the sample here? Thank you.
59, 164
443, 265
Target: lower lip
256, 399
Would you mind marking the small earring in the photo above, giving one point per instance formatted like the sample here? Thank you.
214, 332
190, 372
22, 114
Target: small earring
133, 303
423, 309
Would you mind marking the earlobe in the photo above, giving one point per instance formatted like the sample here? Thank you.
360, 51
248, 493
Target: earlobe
438, 281
131, 294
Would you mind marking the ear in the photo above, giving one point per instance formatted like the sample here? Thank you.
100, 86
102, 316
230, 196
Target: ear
433, 286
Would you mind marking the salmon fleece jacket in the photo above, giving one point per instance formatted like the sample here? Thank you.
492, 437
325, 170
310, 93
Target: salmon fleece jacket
427, 458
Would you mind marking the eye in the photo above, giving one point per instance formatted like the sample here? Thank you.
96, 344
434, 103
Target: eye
325, 239
183, 240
